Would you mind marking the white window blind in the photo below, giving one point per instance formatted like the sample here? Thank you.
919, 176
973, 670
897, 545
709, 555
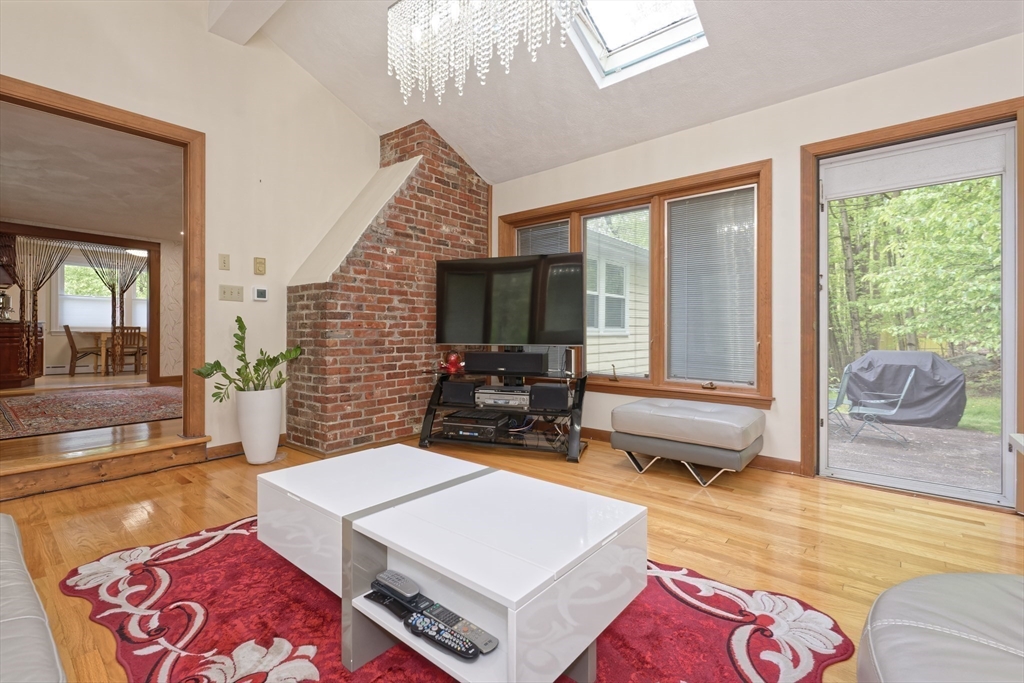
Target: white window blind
549, 238
712, 287
617, 248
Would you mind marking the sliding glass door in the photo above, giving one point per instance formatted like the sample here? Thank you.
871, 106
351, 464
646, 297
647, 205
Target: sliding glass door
918, 376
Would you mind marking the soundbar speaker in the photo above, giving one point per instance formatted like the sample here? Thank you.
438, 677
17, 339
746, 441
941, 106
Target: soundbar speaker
492, 363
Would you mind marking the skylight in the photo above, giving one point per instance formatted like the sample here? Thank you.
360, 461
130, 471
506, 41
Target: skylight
622, 38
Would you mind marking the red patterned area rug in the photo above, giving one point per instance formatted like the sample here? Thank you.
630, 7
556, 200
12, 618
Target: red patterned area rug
220, 607
53, 412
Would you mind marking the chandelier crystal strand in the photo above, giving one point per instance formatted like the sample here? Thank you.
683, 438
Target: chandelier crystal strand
432, 41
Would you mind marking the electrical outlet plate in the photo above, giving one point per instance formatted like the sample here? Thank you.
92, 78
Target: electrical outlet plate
230, 293
224, 261
259, 265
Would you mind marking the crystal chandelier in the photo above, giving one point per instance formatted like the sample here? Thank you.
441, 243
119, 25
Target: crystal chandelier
430, 41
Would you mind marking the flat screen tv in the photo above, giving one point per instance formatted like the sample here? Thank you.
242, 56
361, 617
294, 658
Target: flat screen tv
511, 301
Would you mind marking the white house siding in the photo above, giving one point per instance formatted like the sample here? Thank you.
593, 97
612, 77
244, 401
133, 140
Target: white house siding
629, 353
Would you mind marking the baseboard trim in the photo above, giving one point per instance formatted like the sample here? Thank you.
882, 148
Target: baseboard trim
765, 462
229, 450
345, 451
170, 380
596, 434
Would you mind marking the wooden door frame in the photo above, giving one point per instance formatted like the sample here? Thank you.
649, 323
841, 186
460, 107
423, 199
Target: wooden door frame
810, 155
153, 309
193, 146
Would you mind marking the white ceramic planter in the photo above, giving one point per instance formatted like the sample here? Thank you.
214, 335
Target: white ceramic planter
259, 421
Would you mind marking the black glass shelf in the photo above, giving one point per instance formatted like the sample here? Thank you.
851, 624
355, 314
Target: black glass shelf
558, 430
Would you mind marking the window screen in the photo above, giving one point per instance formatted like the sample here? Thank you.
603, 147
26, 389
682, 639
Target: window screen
549, 238
617, 247
712, 287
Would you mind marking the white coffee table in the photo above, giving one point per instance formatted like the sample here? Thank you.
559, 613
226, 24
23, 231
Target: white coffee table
300, 509
545, 568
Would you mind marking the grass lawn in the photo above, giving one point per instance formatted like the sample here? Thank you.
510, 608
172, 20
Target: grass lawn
983, 414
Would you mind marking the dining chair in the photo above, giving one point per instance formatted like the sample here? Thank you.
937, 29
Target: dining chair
131, 345
78, 354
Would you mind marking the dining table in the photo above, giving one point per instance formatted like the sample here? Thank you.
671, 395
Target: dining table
100, 339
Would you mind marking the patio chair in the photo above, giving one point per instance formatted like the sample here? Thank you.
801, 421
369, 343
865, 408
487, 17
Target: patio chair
835, 418
78, 353
886, 405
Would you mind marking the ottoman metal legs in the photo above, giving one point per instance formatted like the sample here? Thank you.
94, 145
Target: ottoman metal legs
696, 475
687, 453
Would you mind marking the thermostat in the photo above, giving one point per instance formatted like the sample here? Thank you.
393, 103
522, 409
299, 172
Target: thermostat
259, 293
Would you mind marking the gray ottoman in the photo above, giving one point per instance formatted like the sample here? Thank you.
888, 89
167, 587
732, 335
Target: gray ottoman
695, 433
946, 627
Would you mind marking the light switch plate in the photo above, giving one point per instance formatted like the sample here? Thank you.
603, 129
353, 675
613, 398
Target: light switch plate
259, 265
230, 293
224, 261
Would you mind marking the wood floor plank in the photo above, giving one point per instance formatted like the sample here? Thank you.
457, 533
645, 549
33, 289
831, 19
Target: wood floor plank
832, 545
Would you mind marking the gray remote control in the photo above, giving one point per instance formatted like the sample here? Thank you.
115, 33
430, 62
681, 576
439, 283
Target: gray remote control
473, 633
399, 584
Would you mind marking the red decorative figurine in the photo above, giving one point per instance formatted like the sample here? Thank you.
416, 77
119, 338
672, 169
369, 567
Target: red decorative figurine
452, 363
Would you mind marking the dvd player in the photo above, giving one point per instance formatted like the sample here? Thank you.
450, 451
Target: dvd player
503, 397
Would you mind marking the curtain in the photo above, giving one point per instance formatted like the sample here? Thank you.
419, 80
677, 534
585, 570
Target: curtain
36, 259
117, 269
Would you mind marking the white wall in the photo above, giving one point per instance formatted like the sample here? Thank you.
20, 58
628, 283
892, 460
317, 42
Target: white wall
980, 75
284, 157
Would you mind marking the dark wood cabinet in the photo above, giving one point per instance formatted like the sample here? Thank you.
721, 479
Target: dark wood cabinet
11, 375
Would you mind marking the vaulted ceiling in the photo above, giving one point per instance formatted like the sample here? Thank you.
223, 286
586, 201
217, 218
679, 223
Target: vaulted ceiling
550, 113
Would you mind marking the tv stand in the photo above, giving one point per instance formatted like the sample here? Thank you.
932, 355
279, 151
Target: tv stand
554, 431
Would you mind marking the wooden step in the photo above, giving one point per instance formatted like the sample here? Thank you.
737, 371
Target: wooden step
52, 462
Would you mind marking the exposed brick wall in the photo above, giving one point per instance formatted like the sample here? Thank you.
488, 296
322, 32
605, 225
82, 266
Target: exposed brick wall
368, 334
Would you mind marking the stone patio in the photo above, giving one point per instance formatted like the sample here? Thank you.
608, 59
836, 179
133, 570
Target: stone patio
954, 457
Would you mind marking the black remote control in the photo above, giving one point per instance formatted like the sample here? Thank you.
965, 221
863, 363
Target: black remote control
396, 607
417, 603
427, 627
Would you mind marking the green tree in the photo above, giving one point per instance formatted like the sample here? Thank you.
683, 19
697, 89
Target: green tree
83, 281
915, 264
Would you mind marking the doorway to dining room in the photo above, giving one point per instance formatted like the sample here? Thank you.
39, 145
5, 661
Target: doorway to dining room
91, 243
108, 206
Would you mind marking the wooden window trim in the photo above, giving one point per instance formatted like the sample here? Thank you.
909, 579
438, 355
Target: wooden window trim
655, 195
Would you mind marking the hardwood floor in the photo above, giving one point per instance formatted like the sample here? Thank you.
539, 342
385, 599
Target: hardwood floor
79, 381
831, 544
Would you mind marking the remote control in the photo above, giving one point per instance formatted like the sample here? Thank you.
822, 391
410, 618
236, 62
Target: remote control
476, 635
427, 627
397, 608
417, 603
398, 585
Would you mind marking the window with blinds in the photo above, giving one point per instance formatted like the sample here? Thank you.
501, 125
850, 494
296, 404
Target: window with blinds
617, 249
712, 297
549, 238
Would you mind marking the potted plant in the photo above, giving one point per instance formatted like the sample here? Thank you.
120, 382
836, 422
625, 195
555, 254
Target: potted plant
259, 396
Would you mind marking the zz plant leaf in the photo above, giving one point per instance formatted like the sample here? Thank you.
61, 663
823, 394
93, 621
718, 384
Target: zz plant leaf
255, 376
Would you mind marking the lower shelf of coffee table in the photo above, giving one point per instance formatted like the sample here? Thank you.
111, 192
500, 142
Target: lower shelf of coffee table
489, 668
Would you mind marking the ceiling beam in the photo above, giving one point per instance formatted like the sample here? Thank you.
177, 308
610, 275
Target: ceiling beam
238, 20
